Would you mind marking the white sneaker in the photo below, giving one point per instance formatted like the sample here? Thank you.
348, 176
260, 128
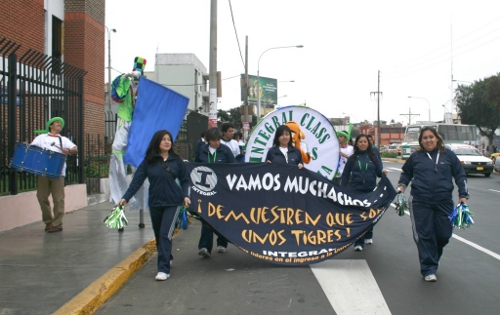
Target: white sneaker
369, 241
161, 276
204, 252
431, 278
221, 249
358, 248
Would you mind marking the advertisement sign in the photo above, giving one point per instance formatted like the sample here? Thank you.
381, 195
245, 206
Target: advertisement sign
314, 135
268, 90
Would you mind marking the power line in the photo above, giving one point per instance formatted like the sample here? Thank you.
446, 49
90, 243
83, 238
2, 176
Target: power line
236, 33
415, 62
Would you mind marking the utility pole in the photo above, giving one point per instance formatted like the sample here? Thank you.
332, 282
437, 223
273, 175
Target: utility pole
212, 77
246, 121
378, 93
409, 115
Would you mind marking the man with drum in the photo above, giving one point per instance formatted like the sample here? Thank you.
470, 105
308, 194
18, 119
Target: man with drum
50, 139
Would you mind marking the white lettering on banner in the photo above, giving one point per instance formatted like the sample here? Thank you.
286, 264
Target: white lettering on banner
274, 253
204, 193
300, 184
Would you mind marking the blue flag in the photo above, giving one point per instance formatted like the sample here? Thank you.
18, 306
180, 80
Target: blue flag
157, 108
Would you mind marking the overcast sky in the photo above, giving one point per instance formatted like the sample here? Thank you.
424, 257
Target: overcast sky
415, 45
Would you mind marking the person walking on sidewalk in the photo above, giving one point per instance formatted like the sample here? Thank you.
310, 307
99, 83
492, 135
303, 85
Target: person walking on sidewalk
52, 140
431, 170
162, 167
360, 173
213, 152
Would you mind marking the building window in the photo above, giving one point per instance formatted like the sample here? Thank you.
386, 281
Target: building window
57, 44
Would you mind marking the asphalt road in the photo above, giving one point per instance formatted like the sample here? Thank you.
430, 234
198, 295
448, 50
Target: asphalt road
383, 279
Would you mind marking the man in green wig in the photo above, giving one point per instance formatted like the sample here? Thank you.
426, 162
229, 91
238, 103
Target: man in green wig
51, 139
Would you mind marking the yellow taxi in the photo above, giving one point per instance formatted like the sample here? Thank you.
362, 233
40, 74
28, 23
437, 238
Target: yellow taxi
494, 156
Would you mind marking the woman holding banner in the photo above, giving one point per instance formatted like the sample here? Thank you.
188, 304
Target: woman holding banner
283, 150
162, 167
431, 170
360, 173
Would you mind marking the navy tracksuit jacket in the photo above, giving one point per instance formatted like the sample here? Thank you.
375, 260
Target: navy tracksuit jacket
431, 174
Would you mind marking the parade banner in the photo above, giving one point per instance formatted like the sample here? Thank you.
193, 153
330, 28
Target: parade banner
282, 214
312, 134
157, 108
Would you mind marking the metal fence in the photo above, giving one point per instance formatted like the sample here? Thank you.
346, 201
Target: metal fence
34, 88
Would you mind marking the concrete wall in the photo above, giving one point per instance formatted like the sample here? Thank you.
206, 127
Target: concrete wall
22, 209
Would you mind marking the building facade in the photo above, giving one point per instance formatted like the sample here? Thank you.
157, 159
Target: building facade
71, 31
393, 133
184, 74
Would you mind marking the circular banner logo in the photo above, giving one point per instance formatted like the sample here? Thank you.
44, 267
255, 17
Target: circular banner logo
312, 133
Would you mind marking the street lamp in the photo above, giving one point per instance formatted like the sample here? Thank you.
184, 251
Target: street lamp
427, 103
258, 74
109, 65
350, 116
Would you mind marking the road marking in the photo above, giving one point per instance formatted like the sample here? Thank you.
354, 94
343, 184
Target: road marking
494, 190
350, 287
394, 169
463, 240
480, 248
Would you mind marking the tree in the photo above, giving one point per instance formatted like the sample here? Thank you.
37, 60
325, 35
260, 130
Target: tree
479, 104
233, 115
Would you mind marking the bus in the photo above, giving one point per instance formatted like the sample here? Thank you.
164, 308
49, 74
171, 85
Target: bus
451, 133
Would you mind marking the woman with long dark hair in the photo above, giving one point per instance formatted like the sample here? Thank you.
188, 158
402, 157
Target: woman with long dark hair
162, 167
360, 173
283, 150
431, 170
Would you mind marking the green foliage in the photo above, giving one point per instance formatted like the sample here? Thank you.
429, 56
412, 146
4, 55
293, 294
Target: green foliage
97, 169
392, 155
233, 115
479, 104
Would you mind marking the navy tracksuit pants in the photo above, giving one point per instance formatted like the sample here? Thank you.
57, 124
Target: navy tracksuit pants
431, 231
163, 220
207, 239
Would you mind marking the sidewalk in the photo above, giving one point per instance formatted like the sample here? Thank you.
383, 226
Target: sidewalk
73, 271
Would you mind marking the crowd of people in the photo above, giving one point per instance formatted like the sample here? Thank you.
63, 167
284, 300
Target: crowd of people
430, 170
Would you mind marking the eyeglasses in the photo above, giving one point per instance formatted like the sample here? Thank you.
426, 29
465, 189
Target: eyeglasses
428, 128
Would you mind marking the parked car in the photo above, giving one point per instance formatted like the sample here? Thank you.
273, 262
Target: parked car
391, 148
497, 165
494, 156
472, 159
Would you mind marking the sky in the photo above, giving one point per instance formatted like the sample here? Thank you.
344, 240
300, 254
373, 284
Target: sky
416, 46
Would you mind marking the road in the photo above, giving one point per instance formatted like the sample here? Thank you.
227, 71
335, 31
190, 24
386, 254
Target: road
383, 279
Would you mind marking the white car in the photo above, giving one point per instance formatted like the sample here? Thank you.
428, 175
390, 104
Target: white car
472, 160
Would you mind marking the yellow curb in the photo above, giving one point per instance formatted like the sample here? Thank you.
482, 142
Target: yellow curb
99, 291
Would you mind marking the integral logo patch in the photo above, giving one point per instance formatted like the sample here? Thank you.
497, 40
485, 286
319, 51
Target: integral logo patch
204, 180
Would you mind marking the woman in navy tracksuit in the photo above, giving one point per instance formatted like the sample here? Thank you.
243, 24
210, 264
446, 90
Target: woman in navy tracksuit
162, 166
283, 150
431, 170
360, 173
213, 152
